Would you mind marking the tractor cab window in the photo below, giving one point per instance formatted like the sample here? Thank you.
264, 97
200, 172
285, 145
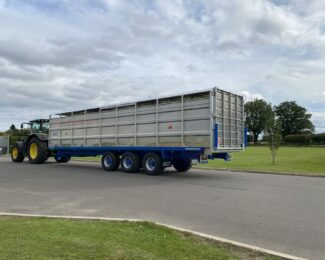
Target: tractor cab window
45, 127
36, 127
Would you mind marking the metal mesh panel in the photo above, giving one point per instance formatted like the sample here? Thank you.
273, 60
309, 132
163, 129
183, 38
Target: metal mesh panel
230, 120
4, 145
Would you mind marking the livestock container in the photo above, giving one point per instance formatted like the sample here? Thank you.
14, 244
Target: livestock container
151, 134
210, 122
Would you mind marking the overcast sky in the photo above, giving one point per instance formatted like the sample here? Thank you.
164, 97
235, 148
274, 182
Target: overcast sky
63, 55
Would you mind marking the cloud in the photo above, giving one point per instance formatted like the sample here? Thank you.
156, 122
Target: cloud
250, 96
319, 119
62, 55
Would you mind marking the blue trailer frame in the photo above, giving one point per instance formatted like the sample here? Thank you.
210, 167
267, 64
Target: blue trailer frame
166, 153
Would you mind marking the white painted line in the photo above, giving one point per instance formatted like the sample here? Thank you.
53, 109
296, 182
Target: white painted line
219, 239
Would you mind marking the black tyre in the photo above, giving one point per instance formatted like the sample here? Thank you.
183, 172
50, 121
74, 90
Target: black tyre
110, 161
37, 151
152, 164
63, 159
130, 162
182, 165
17, 152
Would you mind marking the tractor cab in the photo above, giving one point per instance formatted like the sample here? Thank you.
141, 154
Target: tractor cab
38, 126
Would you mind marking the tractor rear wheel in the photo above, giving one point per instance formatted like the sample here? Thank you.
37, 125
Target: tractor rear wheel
37, 151
17, 152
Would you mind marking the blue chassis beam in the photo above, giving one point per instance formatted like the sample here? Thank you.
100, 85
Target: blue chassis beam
166, 152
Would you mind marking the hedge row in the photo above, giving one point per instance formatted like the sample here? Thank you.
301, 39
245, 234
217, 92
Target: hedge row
298, 139
305, 139
318, 138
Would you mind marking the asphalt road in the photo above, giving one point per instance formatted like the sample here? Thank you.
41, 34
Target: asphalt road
282, 213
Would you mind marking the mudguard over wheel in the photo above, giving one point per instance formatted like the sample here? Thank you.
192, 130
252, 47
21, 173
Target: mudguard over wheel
182, 164
37, 151
63, 159
130, 162
152, 164
17, 152
110, 161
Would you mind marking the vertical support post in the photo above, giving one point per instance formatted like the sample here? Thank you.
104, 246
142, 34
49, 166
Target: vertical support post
212, 116
157, 122
135, 124
8, 144
116, 126
230, 119
71, 129
182, 120
49, 136
215, 137
100, 126
60, 140
223, 120
245, 141
213, 121
85, 118
236, 120
245, 137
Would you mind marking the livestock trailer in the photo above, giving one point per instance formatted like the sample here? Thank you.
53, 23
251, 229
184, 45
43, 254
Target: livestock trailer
151, 134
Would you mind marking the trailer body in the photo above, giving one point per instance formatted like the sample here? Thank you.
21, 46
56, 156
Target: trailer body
209, 121
166, 131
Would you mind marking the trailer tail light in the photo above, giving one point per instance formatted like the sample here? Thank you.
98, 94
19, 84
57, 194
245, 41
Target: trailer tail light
203, 159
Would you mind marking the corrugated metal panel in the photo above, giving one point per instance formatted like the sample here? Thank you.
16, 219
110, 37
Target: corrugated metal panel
182, 120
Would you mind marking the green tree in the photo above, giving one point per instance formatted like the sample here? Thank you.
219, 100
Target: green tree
272, 135
12, 128
258, 113
293, 118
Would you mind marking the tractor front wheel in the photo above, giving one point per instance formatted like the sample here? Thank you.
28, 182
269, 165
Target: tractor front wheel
17, 152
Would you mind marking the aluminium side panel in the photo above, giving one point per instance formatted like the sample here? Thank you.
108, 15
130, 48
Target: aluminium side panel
181, 120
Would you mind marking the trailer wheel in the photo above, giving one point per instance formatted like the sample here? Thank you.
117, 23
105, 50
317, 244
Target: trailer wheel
63, 159
110, 161
182, 165
37, 151
130, 162
152, 164
17, 152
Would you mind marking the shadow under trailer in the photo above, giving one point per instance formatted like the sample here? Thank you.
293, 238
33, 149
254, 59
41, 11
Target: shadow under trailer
151, 134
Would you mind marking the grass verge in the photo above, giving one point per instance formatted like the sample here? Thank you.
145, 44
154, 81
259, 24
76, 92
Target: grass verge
47, 238
298, 160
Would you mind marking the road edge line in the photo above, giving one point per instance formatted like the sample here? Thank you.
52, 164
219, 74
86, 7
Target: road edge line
211, 237
262, 172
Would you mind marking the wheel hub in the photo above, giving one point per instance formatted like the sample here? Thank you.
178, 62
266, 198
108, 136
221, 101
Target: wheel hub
15, 152
150, 163
33, 151
127, 162
108, 161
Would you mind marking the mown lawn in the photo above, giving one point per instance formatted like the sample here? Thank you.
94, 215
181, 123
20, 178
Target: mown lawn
288, 159
48, 238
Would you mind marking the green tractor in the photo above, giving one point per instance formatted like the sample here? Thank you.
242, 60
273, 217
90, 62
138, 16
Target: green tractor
35, 145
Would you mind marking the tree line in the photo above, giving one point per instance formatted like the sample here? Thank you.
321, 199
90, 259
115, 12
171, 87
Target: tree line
288, 118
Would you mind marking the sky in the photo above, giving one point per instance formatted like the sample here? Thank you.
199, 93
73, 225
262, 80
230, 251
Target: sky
58, 56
